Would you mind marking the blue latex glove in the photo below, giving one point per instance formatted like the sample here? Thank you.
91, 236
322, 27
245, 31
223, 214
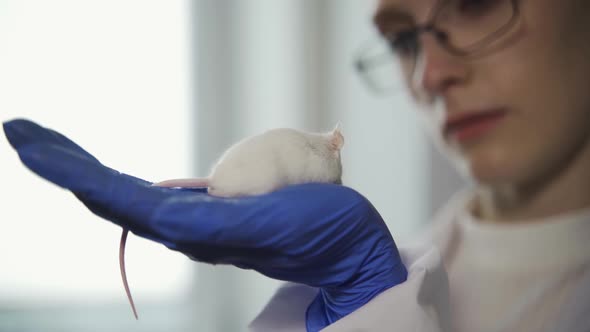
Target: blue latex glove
322, 235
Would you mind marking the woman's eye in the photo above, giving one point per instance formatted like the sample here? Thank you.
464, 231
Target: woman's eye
404, 43
476, 7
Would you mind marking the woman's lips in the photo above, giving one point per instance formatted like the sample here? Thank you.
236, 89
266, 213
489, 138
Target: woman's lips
471, 125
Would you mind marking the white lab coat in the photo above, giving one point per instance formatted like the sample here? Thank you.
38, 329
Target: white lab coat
486, 292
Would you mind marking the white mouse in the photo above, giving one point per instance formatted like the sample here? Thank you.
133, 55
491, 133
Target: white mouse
261, 164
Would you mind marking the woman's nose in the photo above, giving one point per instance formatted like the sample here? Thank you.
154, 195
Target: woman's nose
437, 70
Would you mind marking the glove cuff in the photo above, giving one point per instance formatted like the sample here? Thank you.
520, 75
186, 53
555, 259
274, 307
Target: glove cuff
330, 305
317, 316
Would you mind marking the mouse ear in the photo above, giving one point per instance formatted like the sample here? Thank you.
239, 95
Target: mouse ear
336, 138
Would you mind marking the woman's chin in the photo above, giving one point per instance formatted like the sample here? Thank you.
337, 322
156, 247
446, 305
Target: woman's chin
488, 168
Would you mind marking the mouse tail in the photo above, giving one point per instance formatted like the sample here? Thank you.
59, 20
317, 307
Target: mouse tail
184, 183
123, 273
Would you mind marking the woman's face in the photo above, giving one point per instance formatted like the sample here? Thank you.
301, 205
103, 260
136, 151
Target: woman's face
535, 84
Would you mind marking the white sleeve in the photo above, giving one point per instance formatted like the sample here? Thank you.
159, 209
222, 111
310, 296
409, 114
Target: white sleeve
419, 304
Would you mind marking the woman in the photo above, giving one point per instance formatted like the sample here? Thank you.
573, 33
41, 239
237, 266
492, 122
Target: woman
503, 86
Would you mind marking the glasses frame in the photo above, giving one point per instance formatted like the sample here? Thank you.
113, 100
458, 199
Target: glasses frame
363, 63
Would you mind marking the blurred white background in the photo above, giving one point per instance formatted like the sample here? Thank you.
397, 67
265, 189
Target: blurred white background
158, 89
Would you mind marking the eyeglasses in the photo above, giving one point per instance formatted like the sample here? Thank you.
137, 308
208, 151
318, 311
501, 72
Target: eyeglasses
466, 28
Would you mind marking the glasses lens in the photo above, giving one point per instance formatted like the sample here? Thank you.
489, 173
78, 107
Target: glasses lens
383, 68
467, 26
469, 23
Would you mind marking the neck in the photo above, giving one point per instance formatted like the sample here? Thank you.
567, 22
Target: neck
564, 191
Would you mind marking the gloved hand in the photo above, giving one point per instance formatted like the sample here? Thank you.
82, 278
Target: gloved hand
326, 236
